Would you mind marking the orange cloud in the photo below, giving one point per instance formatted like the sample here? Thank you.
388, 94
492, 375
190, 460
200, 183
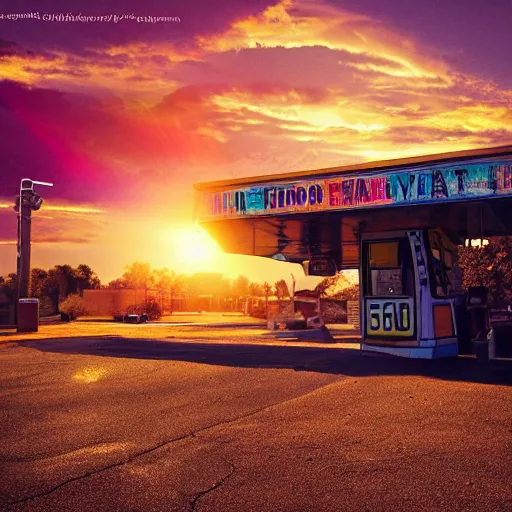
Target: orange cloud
300, 23
127, 72
355, 89
73, 209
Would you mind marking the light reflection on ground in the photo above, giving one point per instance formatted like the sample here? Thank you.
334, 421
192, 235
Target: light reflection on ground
90, 374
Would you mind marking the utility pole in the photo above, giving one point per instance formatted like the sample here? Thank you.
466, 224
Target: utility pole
293, 294
27, 201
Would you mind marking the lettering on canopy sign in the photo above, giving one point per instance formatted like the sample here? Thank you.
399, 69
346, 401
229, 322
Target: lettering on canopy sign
412, 186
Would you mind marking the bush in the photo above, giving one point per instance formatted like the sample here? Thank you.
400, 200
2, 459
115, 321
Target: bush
334, 312
151, 307
73, 306
349, 293
489, 266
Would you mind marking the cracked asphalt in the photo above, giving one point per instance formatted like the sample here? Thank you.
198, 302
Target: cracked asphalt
106, 417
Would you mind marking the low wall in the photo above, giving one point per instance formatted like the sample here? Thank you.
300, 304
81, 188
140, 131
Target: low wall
109, 301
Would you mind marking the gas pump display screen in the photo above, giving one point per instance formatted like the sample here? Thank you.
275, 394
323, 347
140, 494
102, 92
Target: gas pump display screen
384, 255
390, 317
385, 270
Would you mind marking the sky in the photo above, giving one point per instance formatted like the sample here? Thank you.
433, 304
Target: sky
124, 113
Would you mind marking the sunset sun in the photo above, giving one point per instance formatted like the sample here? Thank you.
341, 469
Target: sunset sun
194, 249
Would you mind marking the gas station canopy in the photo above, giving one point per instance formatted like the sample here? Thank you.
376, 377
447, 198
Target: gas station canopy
322, 213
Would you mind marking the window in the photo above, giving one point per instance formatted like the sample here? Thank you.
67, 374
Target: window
446, 277
389, 267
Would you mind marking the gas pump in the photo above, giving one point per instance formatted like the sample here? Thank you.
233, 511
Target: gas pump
407, 308
480, 326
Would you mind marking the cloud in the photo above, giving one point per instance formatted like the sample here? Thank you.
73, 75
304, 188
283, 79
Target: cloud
269, 88
66, 223
300, 23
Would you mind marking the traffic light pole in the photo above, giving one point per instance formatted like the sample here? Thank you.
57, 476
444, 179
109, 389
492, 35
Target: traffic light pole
27, 201
24, 228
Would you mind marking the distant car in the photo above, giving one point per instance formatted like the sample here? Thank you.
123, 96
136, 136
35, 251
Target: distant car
131, 318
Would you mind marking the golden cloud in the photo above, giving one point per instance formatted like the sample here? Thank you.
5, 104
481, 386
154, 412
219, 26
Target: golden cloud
126, 73
298, 24
383, 88
63, 208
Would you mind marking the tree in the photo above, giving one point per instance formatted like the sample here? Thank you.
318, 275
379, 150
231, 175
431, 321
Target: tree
241, 286
138, 275
489, 266
68, 280
9, 287
38, 278
56, 285
240, 289
117, 284
167, 281
281, 291
256, 290
59, 283
86, 278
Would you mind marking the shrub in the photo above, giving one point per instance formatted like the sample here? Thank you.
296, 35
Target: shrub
334, 312
489, 266
73, 306
349, 293
151, 307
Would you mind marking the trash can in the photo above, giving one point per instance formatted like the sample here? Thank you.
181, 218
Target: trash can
28, 315
481, 349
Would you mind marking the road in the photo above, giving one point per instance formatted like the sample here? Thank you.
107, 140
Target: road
105, 417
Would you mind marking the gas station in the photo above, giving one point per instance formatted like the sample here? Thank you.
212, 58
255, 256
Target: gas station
398, 222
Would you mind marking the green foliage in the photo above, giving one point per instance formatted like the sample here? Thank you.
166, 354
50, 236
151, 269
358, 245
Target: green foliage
73, 305
150, 306
489, 266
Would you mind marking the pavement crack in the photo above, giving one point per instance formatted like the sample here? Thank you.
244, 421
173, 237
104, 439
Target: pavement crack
216, 485
101, 470
188, 435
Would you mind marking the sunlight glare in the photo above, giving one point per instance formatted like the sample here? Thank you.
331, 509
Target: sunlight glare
194, 249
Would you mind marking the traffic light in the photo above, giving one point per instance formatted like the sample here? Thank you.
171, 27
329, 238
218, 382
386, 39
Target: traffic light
27, 185
29, 198
36, 202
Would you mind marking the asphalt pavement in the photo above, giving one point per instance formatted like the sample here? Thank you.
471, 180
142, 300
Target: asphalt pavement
101, 417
